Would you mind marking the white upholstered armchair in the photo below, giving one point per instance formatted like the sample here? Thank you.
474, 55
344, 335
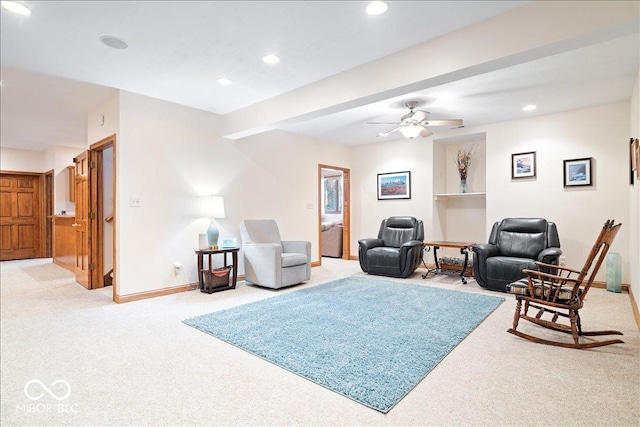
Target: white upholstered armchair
269, 261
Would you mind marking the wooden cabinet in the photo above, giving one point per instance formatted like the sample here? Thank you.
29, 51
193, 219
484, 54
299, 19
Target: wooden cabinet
64, 241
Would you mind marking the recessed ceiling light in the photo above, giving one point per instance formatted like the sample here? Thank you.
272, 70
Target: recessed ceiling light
16, 7
271, 59
114, 42
376, 8
224, 81
529, 107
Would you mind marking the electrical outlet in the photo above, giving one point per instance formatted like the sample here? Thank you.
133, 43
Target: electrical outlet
135, 202
177, 268
563, 261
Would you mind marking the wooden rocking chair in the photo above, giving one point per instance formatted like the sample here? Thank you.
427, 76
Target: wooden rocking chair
557, 293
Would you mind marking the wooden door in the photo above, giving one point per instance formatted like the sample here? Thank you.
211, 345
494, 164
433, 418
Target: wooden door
20, 216
82, 223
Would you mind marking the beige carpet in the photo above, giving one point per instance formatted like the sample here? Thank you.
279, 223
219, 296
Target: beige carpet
138, 364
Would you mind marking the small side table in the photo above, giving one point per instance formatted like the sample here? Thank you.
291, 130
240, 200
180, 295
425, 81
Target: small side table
464, 250
234, 266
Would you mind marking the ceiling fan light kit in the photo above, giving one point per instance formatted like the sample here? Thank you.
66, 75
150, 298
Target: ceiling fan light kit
411, 131
415, 123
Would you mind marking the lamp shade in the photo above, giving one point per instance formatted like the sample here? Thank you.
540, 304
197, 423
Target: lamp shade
411, 131
213, 207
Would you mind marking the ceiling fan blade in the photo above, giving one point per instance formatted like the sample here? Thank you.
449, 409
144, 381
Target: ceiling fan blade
388, 132
453, 122
384, 123
425, 133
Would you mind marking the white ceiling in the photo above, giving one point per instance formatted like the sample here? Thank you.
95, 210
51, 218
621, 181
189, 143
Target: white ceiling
54, 68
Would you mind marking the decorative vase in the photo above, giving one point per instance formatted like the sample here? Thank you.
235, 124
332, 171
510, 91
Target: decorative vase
212, 235
463, 186
614, 272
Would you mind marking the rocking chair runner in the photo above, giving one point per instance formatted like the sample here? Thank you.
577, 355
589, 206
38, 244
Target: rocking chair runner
551, 293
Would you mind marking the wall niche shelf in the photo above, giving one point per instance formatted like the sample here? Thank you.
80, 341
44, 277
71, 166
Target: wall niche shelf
446, 196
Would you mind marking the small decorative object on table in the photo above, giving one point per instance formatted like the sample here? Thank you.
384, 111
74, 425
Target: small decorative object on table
463, 161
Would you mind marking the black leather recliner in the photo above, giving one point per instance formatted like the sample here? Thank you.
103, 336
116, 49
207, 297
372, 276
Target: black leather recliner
397, 251
514, 244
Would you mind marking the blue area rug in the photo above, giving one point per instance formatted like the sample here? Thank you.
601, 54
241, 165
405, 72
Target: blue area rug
370, 340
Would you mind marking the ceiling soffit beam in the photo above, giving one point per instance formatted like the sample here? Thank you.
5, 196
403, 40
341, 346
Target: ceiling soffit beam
528, 33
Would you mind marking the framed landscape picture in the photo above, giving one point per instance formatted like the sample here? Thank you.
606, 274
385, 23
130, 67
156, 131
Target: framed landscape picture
577, 172
635, 158
523, 165
396, 185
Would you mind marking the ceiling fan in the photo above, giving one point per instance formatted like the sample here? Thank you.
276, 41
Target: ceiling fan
415, 123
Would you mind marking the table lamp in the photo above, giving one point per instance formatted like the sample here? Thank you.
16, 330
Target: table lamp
214, 209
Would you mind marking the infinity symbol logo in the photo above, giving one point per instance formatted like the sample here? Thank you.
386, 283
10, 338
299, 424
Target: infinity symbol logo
45, 388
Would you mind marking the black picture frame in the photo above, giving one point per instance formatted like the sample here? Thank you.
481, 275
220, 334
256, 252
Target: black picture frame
578, 172
632, 158
394, 185
523, 165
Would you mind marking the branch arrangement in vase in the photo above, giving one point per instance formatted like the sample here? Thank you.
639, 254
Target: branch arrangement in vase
463, 161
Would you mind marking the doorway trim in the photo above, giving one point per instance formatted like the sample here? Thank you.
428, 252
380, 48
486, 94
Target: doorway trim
346, 209
48, 185
96, 194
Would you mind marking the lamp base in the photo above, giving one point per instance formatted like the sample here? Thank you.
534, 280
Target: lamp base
212, 235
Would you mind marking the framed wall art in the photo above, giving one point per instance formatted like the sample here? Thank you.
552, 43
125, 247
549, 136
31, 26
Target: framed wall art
635, 158
395, 185
523, 165
577, 172
636, 150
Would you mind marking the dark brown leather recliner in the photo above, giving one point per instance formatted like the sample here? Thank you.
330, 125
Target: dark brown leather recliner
515, 244
397, 251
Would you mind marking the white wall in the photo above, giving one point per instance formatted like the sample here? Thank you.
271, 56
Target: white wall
15, 160
634, 197
104, 120
170, 156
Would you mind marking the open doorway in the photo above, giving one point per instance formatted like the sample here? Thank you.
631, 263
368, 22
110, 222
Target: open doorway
334, 212
102, 197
